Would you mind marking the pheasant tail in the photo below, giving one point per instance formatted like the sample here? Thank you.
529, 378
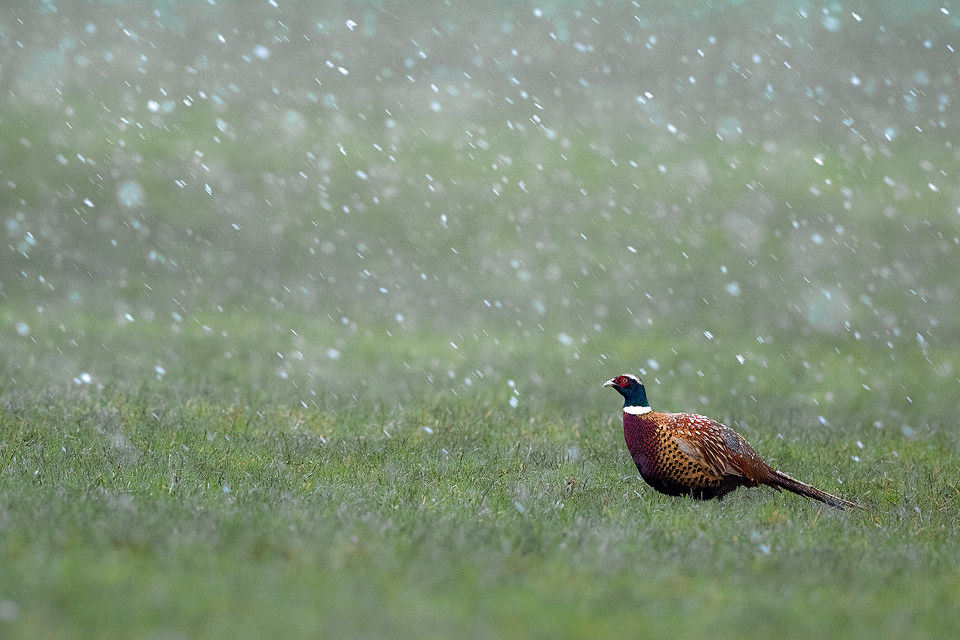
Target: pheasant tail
783, 481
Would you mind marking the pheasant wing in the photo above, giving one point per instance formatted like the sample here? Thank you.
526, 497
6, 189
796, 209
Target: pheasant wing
716, 446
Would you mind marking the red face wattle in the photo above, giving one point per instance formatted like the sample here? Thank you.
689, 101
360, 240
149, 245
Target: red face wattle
625, 383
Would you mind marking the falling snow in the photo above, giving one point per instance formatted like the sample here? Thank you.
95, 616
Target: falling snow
519, 194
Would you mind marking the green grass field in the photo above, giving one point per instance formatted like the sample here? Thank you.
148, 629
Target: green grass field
304, 313
144, 514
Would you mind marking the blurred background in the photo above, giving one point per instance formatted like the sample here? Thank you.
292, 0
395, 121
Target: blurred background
341, 202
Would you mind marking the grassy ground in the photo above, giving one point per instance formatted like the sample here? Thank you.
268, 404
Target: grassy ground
134, 515
304, 312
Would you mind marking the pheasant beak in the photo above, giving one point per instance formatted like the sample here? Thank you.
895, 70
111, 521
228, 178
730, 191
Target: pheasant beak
612, 382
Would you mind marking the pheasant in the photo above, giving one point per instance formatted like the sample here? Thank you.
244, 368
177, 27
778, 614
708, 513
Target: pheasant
685, 453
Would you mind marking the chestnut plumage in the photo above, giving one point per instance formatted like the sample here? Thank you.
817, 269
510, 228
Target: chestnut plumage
686, 453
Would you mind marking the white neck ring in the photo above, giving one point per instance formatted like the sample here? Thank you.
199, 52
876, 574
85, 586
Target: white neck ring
637, 411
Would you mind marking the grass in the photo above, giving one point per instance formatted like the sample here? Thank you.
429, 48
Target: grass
293, 351
131, 516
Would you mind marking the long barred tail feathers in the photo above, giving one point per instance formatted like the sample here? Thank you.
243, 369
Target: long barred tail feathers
783, 481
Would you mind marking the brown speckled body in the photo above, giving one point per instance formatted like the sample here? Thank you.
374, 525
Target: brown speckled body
681, 453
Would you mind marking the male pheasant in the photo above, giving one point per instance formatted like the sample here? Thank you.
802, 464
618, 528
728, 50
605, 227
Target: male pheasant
685, 453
